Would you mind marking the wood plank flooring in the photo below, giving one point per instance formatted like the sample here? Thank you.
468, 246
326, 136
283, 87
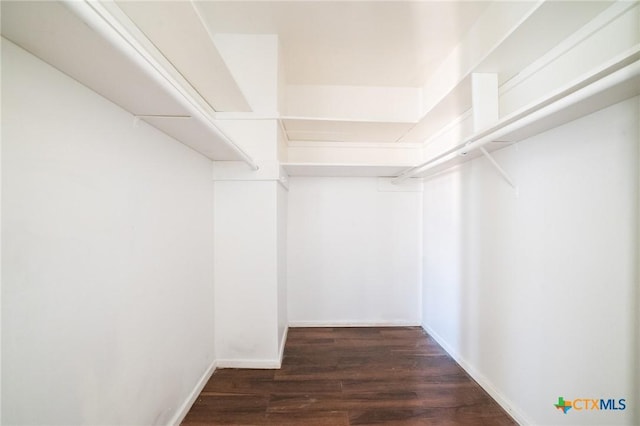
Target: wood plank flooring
350, 376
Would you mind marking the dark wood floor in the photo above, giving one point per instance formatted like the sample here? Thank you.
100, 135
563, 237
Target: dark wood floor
350, 376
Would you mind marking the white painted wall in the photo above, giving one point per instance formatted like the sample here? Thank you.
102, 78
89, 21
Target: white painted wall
353, 252
253, 62
354, 102
107, 241
246, 274
535, 292
354, 153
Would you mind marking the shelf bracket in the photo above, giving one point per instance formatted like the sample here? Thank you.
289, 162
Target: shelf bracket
497, 166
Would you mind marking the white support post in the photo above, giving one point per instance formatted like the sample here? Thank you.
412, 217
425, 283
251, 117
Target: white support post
485, 107
484, 100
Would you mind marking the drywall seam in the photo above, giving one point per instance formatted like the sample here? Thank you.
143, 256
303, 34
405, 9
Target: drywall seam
191, 398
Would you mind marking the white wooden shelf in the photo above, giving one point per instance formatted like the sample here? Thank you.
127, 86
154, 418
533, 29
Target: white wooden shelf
318, 129
124, 68
613, 82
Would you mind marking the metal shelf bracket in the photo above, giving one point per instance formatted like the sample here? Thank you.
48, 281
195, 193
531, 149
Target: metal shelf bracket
499, 168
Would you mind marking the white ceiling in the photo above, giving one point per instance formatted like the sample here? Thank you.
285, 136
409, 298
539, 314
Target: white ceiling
352, 43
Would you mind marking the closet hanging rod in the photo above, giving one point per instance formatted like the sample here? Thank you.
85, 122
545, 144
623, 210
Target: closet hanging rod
101, 21
619, 72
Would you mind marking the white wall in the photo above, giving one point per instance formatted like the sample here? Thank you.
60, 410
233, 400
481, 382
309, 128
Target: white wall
253, 62
353, 252
535, 292
107, 241
354, 102
246, 273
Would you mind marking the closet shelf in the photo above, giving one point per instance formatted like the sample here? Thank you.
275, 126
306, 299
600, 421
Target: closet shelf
124, 68
611, 83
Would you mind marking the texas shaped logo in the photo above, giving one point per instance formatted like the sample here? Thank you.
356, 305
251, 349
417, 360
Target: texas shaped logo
563, 405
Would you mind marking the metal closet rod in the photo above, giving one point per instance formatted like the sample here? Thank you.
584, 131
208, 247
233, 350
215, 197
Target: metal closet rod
611, 76
101, 21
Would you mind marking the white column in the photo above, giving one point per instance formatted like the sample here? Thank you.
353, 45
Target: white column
250, 216
484, 100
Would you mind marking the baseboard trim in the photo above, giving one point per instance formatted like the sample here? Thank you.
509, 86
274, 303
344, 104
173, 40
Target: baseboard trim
282, 344
504, 402
264, 364
295, 324
191, 399
261, 364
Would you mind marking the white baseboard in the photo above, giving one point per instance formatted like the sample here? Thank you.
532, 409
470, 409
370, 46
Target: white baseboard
225, 363
186, 405
262, 364
504, 402
265, 364
282, 344
399, 323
